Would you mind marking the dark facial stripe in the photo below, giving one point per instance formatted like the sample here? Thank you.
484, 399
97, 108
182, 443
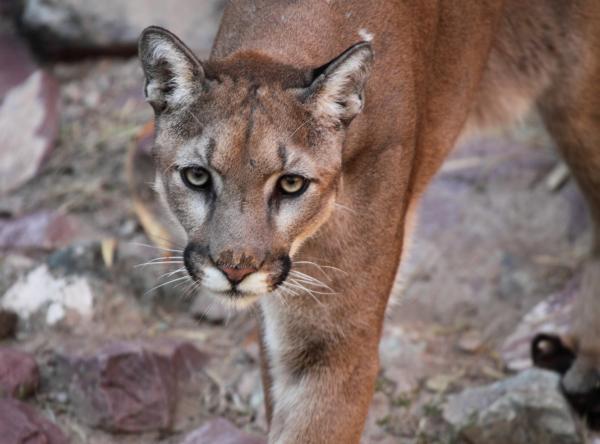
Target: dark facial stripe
282, 153
249, 128
210, 150
286, 266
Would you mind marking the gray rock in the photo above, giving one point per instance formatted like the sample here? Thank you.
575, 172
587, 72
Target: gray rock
528, 408
552, 315
220, 430
67, 27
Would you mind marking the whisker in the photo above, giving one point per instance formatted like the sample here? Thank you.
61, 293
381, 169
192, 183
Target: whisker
191, 292
171, 273
166, 262
167, 283
306, 290
163, 259
179, 285
314, 264
167, 257
195, 117
294, 281
298, 129
344, 207
284, 286
309, 279
280, 293
157, 248
184, 294
309, 283
321, 266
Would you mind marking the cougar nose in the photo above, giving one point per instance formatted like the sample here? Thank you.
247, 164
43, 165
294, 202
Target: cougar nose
236, 274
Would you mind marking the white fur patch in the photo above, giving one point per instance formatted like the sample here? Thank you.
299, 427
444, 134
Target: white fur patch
215, 280
274, 337
290, 395
162, 50
339, 88
365, 35
255, 283
273, 334
159, 188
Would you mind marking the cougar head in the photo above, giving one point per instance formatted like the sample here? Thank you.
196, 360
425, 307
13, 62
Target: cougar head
248, 154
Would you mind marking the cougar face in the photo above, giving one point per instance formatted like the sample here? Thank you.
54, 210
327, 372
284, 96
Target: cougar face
248, 156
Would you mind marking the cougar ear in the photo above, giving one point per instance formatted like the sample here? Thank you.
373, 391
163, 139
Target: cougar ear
173, 73
337, 89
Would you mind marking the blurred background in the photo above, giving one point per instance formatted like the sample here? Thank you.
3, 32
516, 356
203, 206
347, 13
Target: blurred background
100, 342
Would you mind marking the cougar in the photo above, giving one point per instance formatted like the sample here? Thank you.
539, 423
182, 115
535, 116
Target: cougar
296, 155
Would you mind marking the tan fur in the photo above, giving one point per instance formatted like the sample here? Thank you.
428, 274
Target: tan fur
441, 68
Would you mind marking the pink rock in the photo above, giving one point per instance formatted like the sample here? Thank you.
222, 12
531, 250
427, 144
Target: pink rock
220, 430
28, 114
19, 374
17, 62
186, 358
22, 424
133, 387
43, 230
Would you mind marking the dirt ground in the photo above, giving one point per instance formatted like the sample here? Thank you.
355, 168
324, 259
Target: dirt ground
493, 239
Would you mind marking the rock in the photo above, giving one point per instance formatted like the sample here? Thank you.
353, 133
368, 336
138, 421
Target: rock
552, 315
402, 357
28, 114
8, 324
220, 430
77, 259
132, 387
22, 424
527, 408
42, 230
79, 27
440, 383
40, 290
17, 63
19, 374
470, 341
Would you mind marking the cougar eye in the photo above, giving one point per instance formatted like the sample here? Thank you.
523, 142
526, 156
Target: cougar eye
196, 178
292, 184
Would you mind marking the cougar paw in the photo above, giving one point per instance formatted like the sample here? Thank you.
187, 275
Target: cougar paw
549, 352
580, 378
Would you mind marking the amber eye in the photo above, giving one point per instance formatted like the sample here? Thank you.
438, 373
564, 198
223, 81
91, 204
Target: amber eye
292, 185
195, 177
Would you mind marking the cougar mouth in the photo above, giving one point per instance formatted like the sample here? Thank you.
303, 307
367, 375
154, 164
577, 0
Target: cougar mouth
235, 282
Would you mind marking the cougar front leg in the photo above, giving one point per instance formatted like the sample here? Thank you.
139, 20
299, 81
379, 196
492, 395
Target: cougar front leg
321, 374
570, 111
584, 376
